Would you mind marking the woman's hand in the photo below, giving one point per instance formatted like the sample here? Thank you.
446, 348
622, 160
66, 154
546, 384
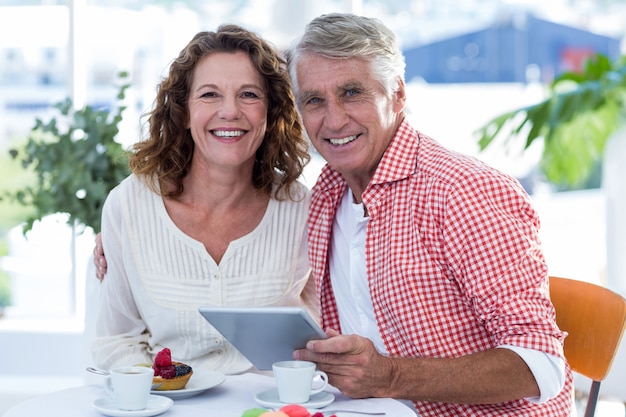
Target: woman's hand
98, 258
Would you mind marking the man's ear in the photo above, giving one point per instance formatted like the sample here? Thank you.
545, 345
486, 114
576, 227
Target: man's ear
399, 96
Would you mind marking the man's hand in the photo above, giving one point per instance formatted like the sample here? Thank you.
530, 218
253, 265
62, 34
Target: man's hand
98, 258
352, 363
355, 367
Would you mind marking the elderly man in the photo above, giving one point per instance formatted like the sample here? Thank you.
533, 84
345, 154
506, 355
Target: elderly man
431, 278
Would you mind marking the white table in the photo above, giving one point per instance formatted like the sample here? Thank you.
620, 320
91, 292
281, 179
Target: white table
229, 399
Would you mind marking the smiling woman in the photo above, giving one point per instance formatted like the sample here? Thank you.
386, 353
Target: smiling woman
213, 213
227, 111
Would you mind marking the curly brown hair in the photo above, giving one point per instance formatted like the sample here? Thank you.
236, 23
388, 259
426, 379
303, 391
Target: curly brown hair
163, 158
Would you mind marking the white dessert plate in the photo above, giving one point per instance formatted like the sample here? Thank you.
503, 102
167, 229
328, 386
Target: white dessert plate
199, 382
270, 399
156, 405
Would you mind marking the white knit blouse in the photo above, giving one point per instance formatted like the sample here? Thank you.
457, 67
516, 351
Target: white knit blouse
157, 277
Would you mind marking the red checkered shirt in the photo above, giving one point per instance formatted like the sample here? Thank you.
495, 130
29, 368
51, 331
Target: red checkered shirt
454, 263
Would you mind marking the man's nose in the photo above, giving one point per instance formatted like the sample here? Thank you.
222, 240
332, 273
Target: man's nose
336, 115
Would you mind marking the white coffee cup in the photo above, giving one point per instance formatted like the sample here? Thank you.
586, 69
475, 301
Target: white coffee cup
294, 380
130, 386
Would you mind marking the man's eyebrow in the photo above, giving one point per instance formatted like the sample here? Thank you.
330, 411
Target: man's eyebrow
353, 85
306, 95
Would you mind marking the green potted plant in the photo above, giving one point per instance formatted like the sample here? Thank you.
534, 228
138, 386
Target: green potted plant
582, 122
576, 119
76, 161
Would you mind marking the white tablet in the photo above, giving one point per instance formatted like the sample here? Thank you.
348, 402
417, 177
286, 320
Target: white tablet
264, 335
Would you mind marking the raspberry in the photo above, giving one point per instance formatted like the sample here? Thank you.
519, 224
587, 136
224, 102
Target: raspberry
163, 358
167, 372
163, 366
318, 414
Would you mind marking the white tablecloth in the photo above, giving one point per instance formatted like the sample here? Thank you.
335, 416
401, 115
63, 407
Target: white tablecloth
229, 399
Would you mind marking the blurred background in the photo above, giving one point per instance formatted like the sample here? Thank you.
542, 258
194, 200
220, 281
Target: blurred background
467, 62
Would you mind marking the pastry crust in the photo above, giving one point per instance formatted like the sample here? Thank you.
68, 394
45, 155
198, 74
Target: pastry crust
176, 383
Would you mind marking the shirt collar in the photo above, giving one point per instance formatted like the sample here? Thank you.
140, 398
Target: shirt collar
399, 160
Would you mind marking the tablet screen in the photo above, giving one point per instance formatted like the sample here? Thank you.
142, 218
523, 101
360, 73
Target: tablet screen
264, 335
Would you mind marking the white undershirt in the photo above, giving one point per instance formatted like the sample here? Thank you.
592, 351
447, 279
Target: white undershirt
356, 311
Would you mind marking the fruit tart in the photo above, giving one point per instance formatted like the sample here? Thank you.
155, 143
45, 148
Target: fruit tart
171, 375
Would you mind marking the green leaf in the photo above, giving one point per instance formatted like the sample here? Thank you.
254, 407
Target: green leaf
576, 119
66, 162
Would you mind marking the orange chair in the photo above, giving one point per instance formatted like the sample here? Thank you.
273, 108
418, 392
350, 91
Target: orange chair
595, 318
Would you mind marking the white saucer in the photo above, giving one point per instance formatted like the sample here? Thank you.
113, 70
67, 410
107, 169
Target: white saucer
156, 406
199, 382
270, 399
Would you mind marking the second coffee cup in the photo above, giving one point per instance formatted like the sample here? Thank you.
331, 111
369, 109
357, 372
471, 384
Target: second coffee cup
294, 381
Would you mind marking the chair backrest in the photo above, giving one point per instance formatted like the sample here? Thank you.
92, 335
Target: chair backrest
595, 318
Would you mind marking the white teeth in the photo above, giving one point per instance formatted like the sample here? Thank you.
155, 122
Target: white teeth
342, 141
228, 133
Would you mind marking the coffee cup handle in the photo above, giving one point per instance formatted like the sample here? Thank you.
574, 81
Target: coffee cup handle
108, 385
324, 379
